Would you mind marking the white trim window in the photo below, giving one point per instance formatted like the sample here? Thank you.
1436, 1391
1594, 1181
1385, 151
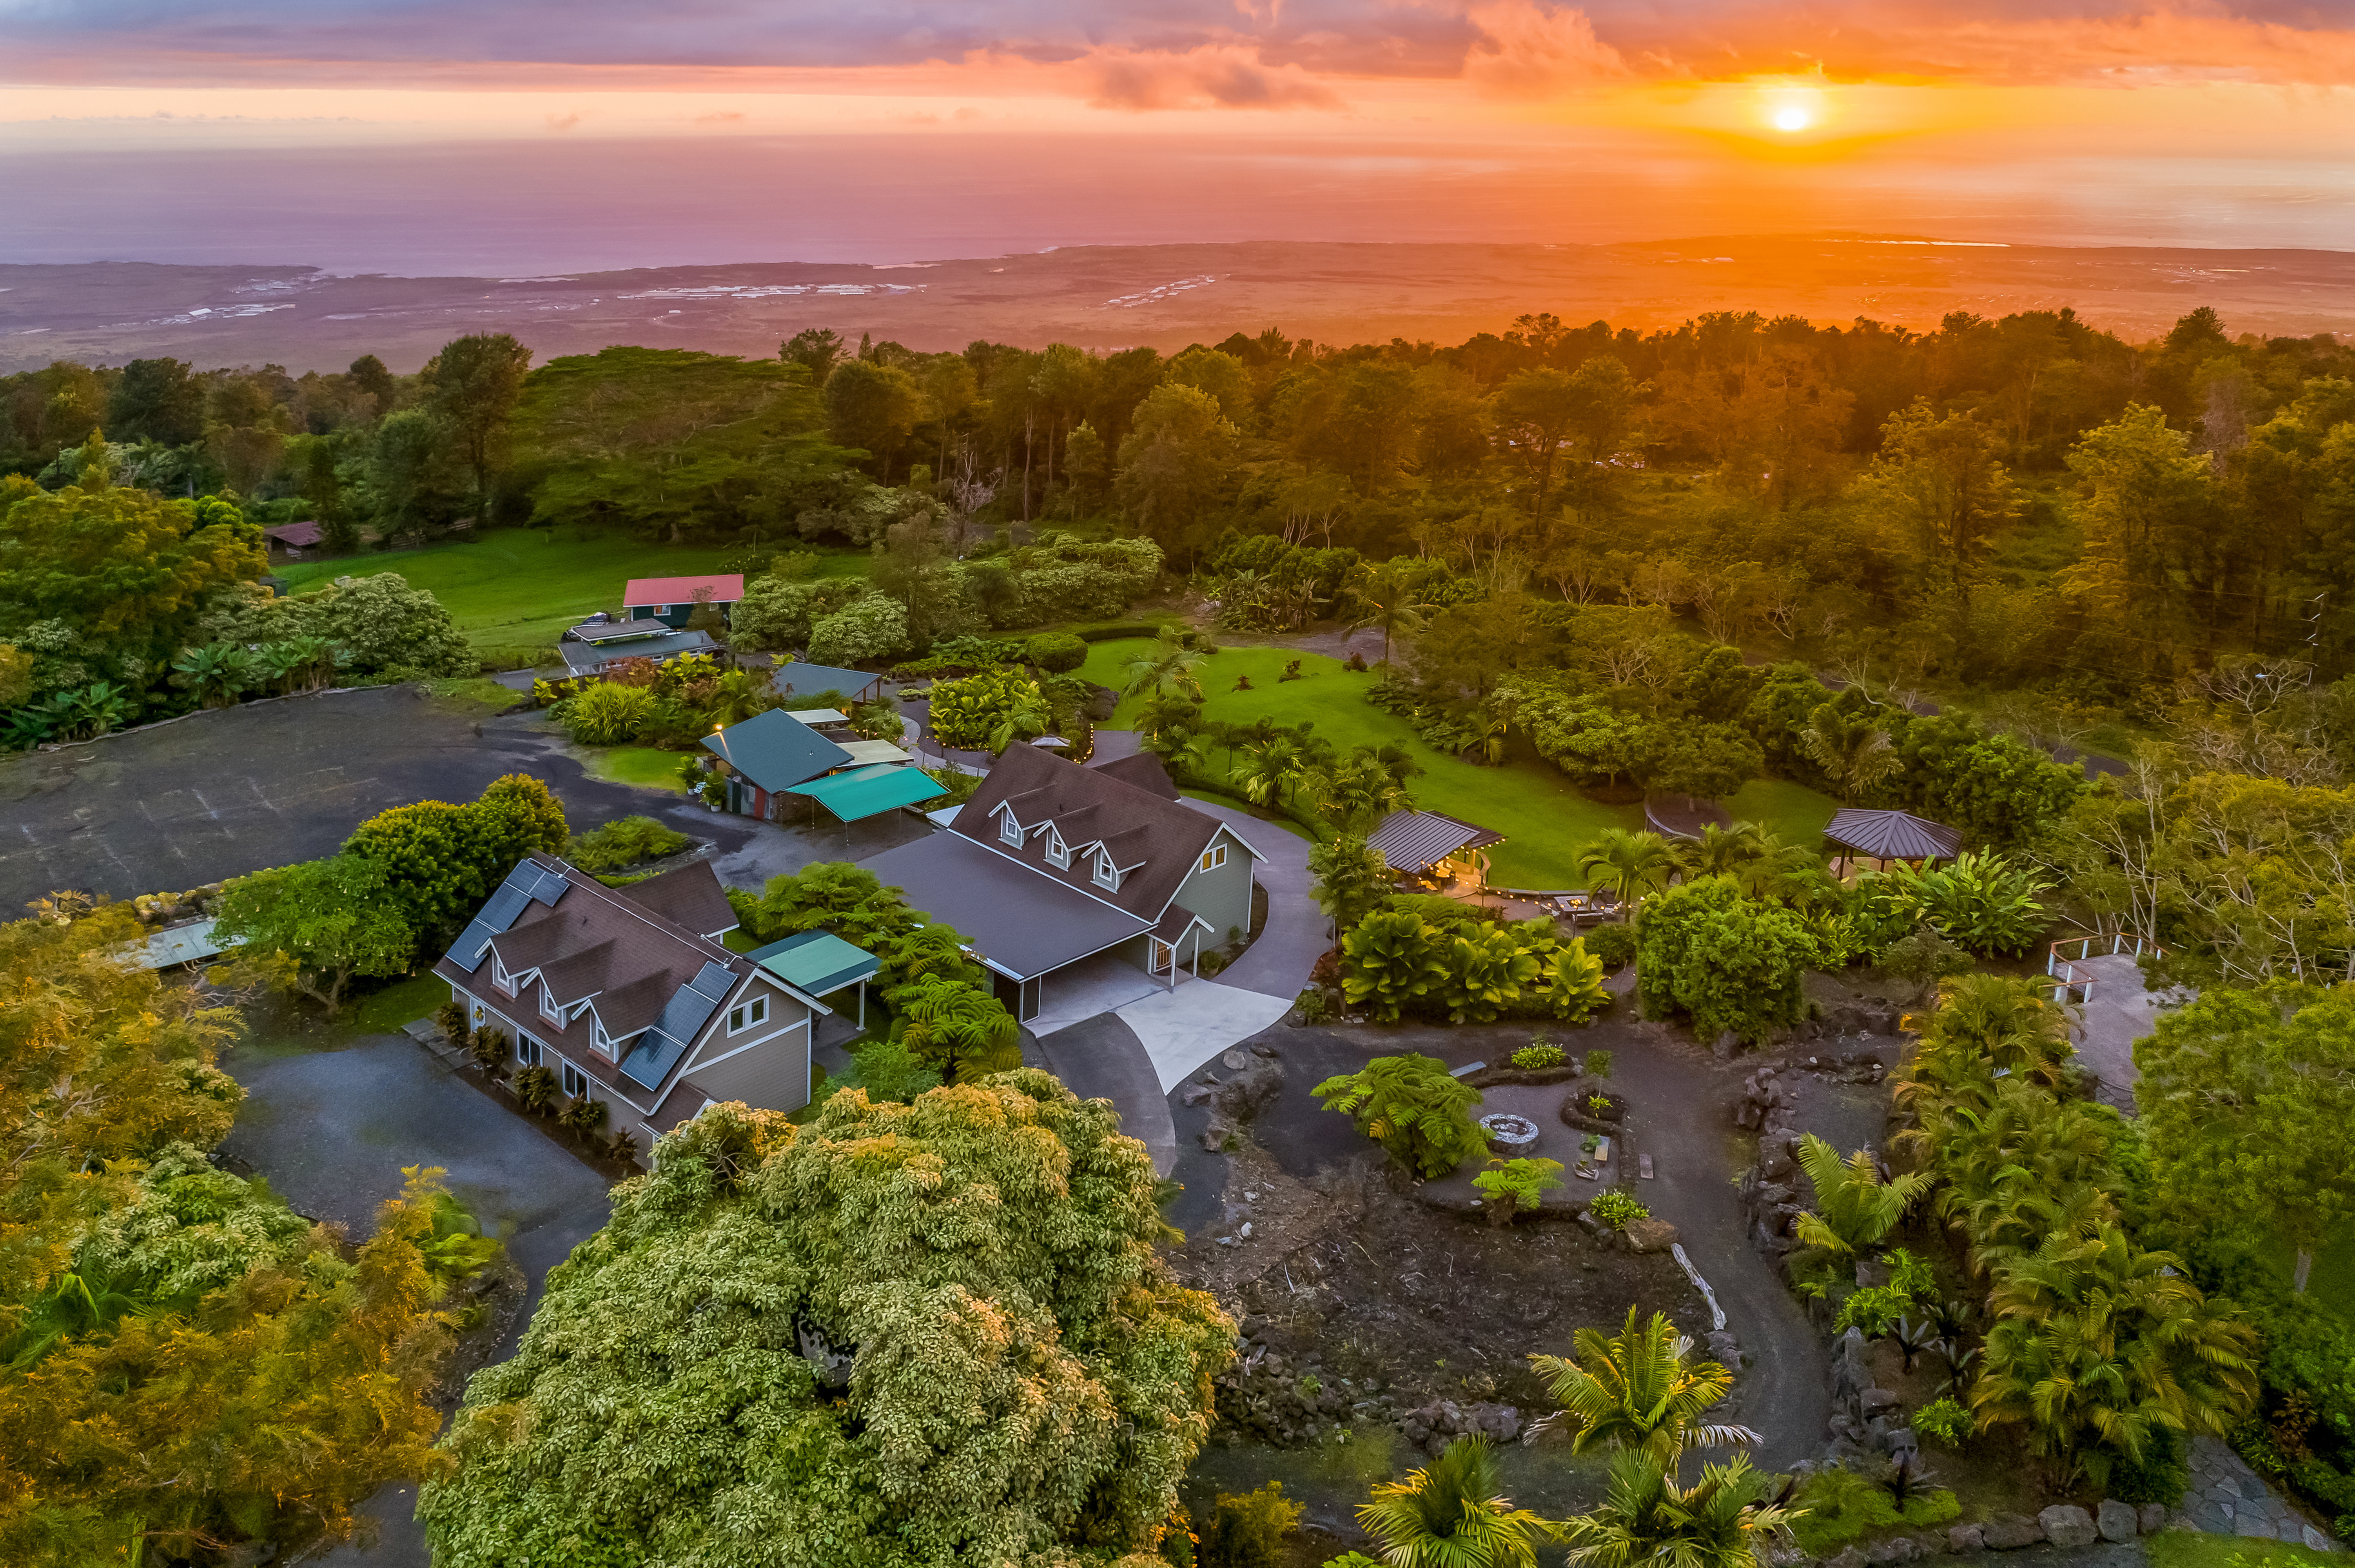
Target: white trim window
576, 1082
1058, 852
1106, 876
1213, 857
749, 1013
1008, 830
527, 1050
548, 1008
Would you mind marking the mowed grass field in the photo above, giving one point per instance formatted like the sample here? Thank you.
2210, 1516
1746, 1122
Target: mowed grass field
1545, 820
522, 587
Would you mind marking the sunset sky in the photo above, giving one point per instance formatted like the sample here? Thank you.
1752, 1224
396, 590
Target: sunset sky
892, 129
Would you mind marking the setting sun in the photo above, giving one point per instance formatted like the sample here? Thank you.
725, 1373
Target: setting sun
1792, 117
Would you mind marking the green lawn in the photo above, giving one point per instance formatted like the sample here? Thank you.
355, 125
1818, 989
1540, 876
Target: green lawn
648, 767
2190, 1549
403, 1001
522, 587
1545, 820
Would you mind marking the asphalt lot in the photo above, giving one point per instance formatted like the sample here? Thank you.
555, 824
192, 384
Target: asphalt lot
222, 793
331, 1130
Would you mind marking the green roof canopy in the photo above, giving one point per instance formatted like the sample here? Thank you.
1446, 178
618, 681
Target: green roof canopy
816, 962
867, 791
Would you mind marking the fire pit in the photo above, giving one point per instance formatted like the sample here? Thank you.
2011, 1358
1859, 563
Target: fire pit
1509, 1135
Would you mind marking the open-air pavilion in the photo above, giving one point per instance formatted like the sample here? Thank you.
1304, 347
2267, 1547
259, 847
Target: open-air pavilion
1434, 846
1885, 837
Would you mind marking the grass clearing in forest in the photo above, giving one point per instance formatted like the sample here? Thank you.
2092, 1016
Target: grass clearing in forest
1545, 820
522, 587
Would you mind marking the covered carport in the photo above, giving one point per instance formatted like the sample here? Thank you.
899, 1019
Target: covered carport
860, 793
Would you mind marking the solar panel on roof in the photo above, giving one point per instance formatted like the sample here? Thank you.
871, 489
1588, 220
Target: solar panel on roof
471, 943
683, 1017
505, 905
552, 884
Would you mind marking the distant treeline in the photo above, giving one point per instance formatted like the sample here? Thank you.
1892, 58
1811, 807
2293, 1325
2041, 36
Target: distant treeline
1997, 501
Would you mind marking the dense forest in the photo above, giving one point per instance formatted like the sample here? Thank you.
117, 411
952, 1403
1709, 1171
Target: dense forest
2028, 510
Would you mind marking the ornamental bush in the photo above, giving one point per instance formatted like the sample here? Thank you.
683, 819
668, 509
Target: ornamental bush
1537, 1055
607, 714
775, 614
1719, 959
1617, 1209
965, 713
1614, 944
936, 1331
1057, 652
1979, 902
874, 627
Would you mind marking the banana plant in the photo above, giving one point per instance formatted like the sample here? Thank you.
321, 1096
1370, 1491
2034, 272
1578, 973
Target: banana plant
217, 672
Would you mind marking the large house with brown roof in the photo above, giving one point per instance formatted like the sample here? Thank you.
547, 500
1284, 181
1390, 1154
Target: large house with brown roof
629, 997
1051, 863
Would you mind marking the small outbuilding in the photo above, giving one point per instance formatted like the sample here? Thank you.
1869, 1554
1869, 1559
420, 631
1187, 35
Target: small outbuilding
1884, 837
297, 539
767, 756
589, 648
819, 963
671, 600
861, 793
801, 680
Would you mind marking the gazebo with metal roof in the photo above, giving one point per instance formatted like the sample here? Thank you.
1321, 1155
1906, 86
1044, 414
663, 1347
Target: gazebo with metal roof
1886, 836
819, 964
1415, 841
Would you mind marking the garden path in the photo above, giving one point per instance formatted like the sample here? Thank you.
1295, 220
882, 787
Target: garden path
2118, 1011
2227, 1497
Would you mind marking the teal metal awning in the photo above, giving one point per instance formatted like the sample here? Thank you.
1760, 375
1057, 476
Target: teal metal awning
867, 792
816, 963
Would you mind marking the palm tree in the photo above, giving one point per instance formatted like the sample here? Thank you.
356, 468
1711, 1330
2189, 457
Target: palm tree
1355, 793
1638, 1391
1647, 1519
1854, 1208
1167, 665
1449, 1515
1722, 851
1023, 717
736, 696
1629, 864
1854, 754
1270, 770
2096, 1346
1782, 870
1381, 596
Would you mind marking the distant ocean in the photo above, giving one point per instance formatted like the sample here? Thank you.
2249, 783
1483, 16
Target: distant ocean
514, 208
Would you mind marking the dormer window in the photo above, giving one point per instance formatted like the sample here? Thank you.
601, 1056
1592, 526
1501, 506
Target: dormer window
1105, 876
1010, 830
548, 1008
1058, 852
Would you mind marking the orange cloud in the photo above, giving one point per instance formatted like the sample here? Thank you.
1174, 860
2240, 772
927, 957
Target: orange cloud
1525, 50
1222, 77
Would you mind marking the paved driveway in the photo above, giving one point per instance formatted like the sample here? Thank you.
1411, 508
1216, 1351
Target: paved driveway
1296, 933
331, 1129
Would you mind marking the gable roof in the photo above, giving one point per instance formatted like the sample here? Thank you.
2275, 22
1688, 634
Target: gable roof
1418, 840
689, 897
800, 679
1154, 842
648, 591
298, 535
651, 982
1142, 769
777, 751
1020, 922
584, 656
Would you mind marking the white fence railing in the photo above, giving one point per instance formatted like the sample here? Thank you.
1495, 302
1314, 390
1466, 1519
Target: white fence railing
2071, 984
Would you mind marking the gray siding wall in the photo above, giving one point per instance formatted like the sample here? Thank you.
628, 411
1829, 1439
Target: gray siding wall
773, 1075
1223, 897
